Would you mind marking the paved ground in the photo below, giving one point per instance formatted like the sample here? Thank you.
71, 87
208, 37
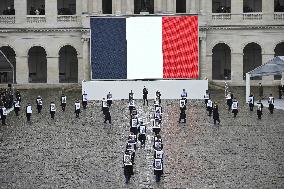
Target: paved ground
85, 153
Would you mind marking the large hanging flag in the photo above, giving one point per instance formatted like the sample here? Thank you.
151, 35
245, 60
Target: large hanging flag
146, 47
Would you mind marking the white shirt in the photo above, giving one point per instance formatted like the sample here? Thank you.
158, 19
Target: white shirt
29, 109
132, 103
228, 97
142, 129
271, 100
77, 106
127, 159
158, 164
17, 104
52, 107
104, 103
85, 97
209, 103
159, 154
63, 99
183, 94
235, 105
251, 101
109, 96
4, 111
206, 96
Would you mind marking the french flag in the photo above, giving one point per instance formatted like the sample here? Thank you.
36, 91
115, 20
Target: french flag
148, 47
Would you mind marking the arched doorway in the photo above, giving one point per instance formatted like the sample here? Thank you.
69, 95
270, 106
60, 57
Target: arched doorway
68, 65
252, 59
279, 51
221, 62
7, 77
37, 65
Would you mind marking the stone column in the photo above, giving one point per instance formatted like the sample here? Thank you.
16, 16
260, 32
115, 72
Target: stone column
268, 10
85, 6
237, 10
237, 67
78, 7
170, 6
20, 11
96, 8
205, 6
203, 66
117, 6
192, 6
84, 68
51, 11
22, 69
53, 70
267, 80
159, 6
129, 6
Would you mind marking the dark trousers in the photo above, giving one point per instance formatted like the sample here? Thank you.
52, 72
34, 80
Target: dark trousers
127, 178
209, 111
16, 111
142, 138
250, 107
271, 107
63, 107
216, 119
28, 117
77, 112
3, 118
39, 108
259, 116
52, 115
84, 104
182, 116
158, 177
107, 117
145, 99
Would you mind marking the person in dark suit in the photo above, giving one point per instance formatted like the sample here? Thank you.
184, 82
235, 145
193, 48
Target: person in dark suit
145, 93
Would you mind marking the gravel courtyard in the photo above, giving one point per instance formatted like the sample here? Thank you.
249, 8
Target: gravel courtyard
86, 153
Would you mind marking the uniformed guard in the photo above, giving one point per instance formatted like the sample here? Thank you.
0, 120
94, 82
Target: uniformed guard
131, 96
3, 113
158, 142
39, 104
109, 99
29, 112
63, 101
158, 169
156, 126
229, 99
84, 100
17, 106
158, 96
131, 105
145, 93
182, 115
209, 107
235, 106
259, 109
52, 109
142, 133
77, 108
216, 113
271, 103
128, 166
184, 95
107, 115
251, 102
206, 97
134, 124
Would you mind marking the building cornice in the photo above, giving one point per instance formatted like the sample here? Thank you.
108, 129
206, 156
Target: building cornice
240, 27
43, 30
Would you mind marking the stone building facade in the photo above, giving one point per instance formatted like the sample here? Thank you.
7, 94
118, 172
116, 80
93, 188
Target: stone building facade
48, 40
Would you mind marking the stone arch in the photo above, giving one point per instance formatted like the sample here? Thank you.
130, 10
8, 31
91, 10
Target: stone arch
37, 63
221, 62
10, 53
279, 51
68, 64
252, 58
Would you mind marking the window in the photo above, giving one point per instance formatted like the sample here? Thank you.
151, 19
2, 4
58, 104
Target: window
278, 5
181, 6
221, 6
35, 7
252, 6
7, 7
107, 6
66, 7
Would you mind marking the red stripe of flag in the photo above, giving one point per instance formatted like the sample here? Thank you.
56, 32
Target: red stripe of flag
180, 47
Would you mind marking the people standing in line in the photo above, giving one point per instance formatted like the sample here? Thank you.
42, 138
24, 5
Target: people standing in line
29, 112
206, 97
183, 95
145, 93
209, 107
271, 104
128, 166
3, 114
156, 128
63, 101
134, 124
17, 106
131, 105
77, 108
251, 102
216, 113
182, 115
158, 142
260, 91
52, 109
84, 100
39, 104
109, 99
235, 106
259, 109
229, 99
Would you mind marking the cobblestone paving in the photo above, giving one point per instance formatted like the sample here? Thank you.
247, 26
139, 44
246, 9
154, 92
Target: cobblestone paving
86, 153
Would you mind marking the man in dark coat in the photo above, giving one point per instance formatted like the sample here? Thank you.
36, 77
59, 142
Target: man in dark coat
145, 93
259, 109
216, 113
260, 91
271, 104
